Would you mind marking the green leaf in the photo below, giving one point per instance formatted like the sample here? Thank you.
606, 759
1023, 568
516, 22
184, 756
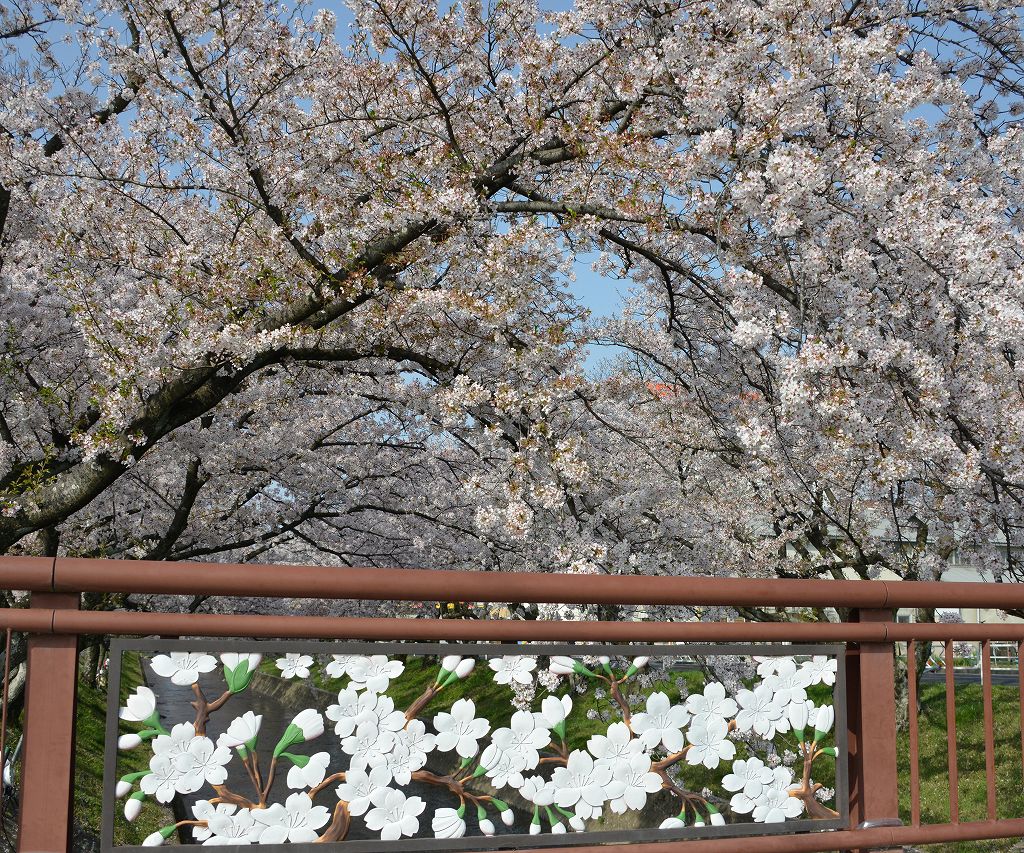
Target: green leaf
297, 760
292, 734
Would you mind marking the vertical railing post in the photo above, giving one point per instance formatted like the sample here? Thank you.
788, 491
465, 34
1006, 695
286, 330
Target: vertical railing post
871, 693
47, 773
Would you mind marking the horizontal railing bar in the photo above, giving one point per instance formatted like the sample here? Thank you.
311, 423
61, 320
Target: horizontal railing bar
379, 584
47, 621
819, 842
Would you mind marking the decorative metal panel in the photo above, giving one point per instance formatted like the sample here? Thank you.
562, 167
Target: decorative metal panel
468, 746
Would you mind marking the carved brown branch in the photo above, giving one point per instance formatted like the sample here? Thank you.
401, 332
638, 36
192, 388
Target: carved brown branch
339, 825
334, 777
204, 707
807, 790
224, 795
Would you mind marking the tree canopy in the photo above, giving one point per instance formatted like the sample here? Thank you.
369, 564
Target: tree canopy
274, 287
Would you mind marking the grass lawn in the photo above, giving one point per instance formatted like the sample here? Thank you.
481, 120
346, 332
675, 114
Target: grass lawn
91, 734
934, 773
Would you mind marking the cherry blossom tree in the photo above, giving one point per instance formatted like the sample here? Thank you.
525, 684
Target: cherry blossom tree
274, 290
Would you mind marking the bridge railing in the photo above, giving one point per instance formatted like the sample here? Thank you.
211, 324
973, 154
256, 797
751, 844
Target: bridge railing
54, 622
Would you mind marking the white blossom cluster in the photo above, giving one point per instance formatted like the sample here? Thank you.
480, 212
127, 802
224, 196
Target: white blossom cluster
618, 769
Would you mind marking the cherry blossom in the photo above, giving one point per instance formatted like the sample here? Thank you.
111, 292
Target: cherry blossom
821, 669
368, 745
348, 709
359, 784
504, 769
709, 743
662, 723
759, 711
461, 729
393, 815
294, 665
309, 774
239, 669
203, 810
295, 821
340, 665
711, 704
510, 668
176, 743
202, 762
618, 744
183, 667
523, 738
449, 823
553, 712
585, 786
374, 673
748, 777
162, 781
242, 731
141, 705
635, 773
789, 683
238, 828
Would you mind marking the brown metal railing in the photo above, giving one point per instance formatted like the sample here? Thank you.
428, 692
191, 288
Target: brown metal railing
54, 622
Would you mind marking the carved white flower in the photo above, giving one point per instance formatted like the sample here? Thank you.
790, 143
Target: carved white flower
393, 814
202, 762
309, 722
204, 810
635, 773
821, 669
231, 660
523, 738
183, 667
241, 731
176, 743
380, 710
553, 712
238, 669
709, 743
539, 791
461, 729
374, 673
584, 786
711, 704
294, 665
295, 821
661, 723
141, 705
419, 741
774, 806
162, 781
618, 744
748, 778
312, 774
346, 712
359, 784
767, 665
339, 666
759, 711
238, 828
449, 823
368, 744
400, 763
789, 684
505, 769
518, 668
824, 719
